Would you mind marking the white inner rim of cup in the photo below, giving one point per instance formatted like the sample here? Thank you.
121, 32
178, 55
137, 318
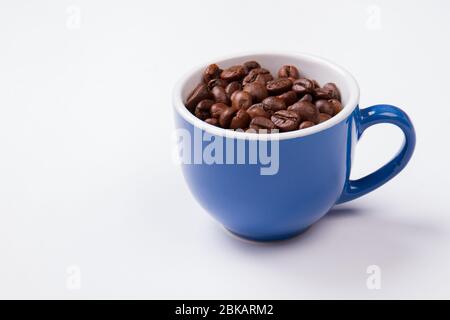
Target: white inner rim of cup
310, 66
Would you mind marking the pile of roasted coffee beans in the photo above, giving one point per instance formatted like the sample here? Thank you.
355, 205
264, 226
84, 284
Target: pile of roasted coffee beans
248, 97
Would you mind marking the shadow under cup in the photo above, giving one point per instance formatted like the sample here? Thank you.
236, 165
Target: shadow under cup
297, 176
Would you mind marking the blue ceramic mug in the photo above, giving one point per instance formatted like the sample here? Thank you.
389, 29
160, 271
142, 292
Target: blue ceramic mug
273, 186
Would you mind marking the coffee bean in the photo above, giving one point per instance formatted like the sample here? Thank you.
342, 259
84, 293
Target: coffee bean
217, 83
288, 71
285, 120
259, 71
226, 116
253, 74
323, 93
257, 110
306, 124
263, 78
249, 65
212, 121
307, 97
211, 72
217, 109
324, 117
200, 93
202, 110
324, 106
249, 78
273, 104
232, 87
303, 86
259, 102
289, 97
233, 73
241, 99
279, 86
220, 95
306, 110
257, 90
316, 84
241, 120
337, 106
262, 123
335, 94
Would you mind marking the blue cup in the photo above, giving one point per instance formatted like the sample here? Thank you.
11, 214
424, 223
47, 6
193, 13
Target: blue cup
268, 187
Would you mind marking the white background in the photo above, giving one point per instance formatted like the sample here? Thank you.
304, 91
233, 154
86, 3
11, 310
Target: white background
88, 190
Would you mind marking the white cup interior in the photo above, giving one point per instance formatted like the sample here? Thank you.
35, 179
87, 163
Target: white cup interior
311, 67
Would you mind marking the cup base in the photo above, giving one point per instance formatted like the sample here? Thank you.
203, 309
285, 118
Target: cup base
266, 239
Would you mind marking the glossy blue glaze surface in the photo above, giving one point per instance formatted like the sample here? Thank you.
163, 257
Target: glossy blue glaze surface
313, 176
382, 113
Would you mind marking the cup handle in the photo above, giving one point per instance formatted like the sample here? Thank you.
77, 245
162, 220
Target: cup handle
382, 113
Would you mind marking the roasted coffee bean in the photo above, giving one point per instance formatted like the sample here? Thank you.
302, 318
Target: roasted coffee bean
241, 120
335, 94
257, 90
289, 97
324, 117
262, 123
324, 106
217, 109
220, 95
288, 71
202, 110
303, 86
211, 72
263, 78
257, 110
233, 73
273, 104
212, 121
200, 93
285, 120
337, 106
241, 99
316, 84
279, 86
259, 71
249, 65
232, 87
306, 110
307, 97
249, 78
226, 116
306, 124
217, 83
247, 97
253, 75
323, 93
